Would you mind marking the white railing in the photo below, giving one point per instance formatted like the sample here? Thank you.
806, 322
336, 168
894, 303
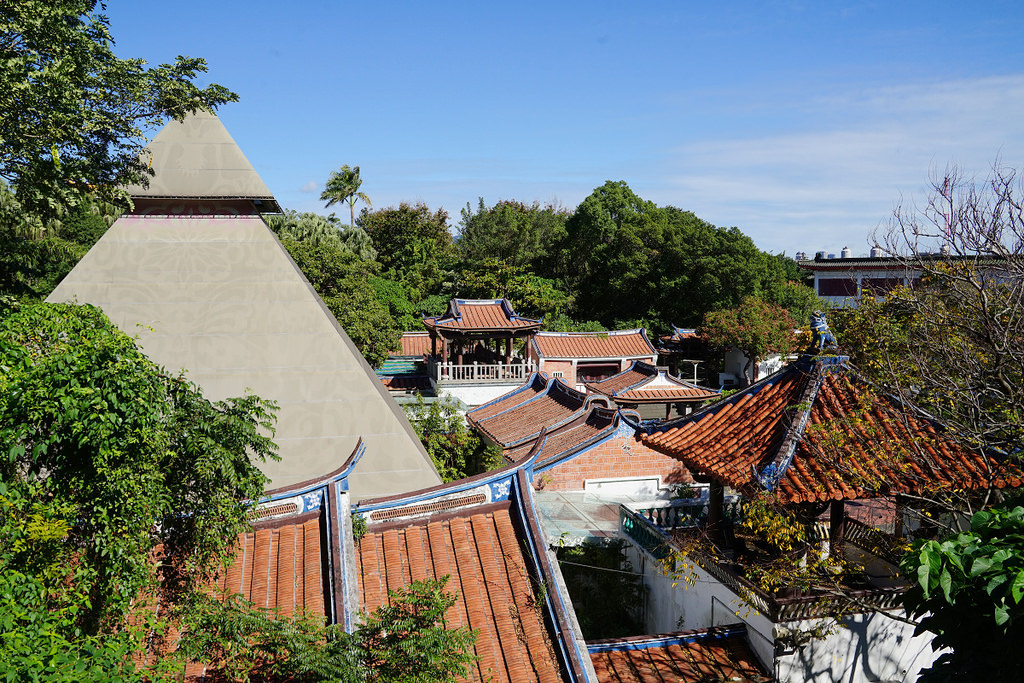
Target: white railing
453, 373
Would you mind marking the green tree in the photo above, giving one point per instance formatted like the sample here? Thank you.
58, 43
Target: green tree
74, 116
457, 452
343, 186
627, 261
754, 327
413, 246
530, 295
345, 283
317, 229
516, 233
406, 640
968, 591
107, 456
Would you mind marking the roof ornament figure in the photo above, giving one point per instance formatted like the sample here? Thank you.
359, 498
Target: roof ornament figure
822, 336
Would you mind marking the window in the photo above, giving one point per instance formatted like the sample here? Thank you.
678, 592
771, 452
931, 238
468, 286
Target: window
837, 286
558, 373
881, 285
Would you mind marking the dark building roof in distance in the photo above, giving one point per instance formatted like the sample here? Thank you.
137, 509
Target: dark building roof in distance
646, 383
614, 344
818, 432
479, 316
715, 654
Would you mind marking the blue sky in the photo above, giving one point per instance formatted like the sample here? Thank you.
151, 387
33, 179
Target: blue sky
801, 123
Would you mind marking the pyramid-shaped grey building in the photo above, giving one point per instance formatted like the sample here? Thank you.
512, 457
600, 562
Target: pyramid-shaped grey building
197, 276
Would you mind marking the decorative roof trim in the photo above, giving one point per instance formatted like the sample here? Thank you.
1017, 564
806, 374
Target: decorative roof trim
666, 639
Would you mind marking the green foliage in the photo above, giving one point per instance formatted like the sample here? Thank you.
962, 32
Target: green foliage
344, 282
626, 259
317, 229
395, 296
406, 640
106, 456
457, 452
343, 186
413, 246
75, 116
605, 592
968, 593
518, 234
754, 327
530, 295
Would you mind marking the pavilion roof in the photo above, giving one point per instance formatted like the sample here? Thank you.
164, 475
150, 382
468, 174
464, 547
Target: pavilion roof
477, 316
816, 431
645, 383
615, 344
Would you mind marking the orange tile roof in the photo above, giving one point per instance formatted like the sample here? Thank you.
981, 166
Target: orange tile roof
717, 654
414, 344
616, 344
274, 567
484, 557
521, 414
590, 425
481, 315
645, 383
845, 441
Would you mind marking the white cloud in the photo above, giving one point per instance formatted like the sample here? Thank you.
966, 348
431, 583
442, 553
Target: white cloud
311, 186
829, 187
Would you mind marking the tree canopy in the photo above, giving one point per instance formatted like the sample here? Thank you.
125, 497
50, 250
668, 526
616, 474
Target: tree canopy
74, 117
106, 456
754, 327
518, 234
343, 186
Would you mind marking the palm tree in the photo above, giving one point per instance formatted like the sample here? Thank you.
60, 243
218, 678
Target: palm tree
343, 186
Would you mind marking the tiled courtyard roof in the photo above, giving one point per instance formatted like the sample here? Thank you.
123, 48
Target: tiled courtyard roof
520, 415
645, 383
594, 423
818, 432
483, 555
717, 654
414, 344
615, 344
278, 567
480, 315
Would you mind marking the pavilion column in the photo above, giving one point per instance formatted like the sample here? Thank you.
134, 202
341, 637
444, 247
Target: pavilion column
836, 526
508, 350
716, 506
460, 350
444, 350
433, 346
668, 410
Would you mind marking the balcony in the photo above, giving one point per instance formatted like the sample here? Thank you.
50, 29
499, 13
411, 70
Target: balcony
478, 373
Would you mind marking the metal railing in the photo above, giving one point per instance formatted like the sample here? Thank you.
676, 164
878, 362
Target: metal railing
453, 373
684, 513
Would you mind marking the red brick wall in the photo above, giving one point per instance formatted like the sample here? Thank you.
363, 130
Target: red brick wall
617, 458
565, 366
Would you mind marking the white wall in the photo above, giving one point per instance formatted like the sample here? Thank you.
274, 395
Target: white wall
864, 648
